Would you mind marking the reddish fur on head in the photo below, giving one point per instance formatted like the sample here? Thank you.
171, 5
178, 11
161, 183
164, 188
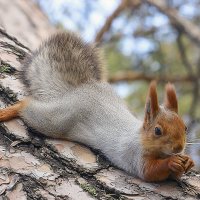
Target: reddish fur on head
170, 98
152, 107
166, 119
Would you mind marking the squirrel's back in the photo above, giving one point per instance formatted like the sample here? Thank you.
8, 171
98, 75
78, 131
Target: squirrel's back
62, 60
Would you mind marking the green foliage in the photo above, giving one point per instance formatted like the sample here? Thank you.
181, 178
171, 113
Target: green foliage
5, 68
137, 98
116, 61
89, 188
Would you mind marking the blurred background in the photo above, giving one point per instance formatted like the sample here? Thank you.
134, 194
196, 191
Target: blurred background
142, 41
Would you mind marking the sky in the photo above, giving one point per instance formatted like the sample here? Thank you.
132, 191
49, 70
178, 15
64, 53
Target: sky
58, 9
88, 16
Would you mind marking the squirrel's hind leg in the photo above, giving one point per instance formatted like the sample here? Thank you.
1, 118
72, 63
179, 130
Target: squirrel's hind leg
35, 114
12, 111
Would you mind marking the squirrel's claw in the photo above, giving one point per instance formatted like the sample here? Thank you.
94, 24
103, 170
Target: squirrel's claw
180, 164
188, 162
189, 165
176, 165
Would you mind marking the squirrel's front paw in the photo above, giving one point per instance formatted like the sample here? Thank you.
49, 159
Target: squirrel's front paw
188, 162
177, 165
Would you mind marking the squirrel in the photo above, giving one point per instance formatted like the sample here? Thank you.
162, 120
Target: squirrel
69, 98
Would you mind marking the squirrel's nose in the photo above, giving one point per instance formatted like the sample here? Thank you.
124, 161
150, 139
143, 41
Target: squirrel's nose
178, 148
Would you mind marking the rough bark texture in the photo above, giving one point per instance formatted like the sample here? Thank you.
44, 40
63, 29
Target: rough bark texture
35, 167
24, 20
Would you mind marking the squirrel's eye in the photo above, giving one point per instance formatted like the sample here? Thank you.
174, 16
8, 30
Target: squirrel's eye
186, 129
158, 131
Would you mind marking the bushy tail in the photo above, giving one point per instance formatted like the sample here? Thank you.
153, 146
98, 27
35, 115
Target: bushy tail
63, 60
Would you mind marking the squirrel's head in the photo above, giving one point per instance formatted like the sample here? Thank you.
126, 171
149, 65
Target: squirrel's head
163, 131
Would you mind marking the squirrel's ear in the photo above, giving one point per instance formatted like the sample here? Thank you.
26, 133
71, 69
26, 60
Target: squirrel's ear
152, 107
170, 98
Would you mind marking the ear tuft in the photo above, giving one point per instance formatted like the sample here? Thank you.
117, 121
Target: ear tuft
152, 107
170, 98
153, 97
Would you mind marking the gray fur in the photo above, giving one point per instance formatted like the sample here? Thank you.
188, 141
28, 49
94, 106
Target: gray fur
62, 61
90, 113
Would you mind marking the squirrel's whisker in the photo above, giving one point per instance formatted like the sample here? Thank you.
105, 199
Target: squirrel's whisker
192, 142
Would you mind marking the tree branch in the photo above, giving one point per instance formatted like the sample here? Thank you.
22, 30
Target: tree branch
190, 29
141, 32
183, 54
106, 27
133, 76
196, 92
